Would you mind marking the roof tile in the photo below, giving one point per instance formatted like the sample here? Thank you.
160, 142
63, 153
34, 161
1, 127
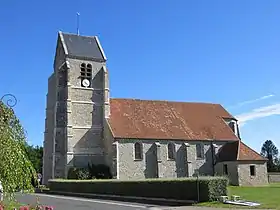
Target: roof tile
246, 153
233, 151
148, 119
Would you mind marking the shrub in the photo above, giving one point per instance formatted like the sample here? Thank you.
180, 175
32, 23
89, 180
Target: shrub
78, 173
91, 172
99, 171
210, 188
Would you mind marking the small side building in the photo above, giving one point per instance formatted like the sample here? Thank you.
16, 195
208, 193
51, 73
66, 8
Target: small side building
242, 165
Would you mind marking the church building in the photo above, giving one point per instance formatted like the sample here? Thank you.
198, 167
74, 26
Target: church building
136, 138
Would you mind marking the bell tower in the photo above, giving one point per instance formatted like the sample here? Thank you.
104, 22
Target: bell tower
77, 104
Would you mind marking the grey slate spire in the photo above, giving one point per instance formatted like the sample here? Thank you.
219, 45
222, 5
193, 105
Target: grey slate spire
83, 46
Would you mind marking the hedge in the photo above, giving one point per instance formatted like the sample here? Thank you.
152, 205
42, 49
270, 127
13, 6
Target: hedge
210, 188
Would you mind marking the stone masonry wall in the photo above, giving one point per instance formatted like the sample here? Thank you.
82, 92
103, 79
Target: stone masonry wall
85, 116
232, 171
245, 179
273, 177
184, 164
61, 121
48, 134
50, 122
110, 153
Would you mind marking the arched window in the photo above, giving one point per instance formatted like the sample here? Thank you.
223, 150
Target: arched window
86, 73
138, 152
89, 66
171, 151
199, 151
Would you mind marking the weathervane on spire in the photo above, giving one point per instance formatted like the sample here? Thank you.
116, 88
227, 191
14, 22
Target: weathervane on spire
78, 24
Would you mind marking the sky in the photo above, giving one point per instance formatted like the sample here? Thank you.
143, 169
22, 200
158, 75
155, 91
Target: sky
217, 51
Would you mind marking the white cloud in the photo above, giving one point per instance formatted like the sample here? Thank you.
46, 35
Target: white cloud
252, 101
259, 113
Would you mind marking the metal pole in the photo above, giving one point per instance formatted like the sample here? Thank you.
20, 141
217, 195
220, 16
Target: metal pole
78, 23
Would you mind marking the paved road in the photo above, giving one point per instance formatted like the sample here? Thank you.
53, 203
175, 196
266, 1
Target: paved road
71, 203
66, 202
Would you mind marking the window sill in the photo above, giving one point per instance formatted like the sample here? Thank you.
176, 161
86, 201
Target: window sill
200, 158
138, 160
170, 159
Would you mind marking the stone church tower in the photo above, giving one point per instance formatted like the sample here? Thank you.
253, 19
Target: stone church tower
77, 106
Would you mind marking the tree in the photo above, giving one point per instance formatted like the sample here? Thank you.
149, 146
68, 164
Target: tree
270, 151
277, 165
35, 155
16, 171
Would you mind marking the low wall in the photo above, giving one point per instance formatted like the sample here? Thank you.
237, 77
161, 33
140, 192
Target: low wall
274, 177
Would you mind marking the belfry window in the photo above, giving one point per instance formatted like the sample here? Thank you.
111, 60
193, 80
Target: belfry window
86, 75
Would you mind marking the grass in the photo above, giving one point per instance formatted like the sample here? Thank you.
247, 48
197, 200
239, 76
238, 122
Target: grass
267, 196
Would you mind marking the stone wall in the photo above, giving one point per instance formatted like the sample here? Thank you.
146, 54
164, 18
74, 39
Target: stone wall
245, 178
50, 121
232, 168
110, 150
85, 115
274, 177
156, 164
49, 131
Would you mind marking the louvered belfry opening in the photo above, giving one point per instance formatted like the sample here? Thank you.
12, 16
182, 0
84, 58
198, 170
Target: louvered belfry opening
86, 73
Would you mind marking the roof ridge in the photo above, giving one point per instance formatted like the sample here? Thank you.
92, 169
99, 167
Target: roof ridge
73, 34
168, 101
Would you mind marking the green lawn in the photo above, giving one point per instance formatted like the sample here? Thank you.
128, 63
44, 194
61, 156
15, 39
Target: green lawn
268, 197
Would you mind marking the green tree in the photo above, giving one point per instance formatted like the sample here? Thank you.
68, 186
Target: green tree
16, 171
270, 151
35, 155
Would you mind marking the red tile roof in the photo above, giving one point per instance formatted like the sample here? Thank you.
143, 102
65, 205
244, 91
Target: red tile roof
237, 150
147, 119
246, 153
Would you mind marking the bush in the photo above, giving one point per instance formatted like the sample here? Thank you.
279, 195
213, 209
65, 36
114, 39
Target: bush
78, 173
99, 171
91, 172
210, 188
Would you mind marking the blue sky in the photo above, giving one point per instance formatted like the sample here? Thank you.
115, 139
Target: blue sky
224, 52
